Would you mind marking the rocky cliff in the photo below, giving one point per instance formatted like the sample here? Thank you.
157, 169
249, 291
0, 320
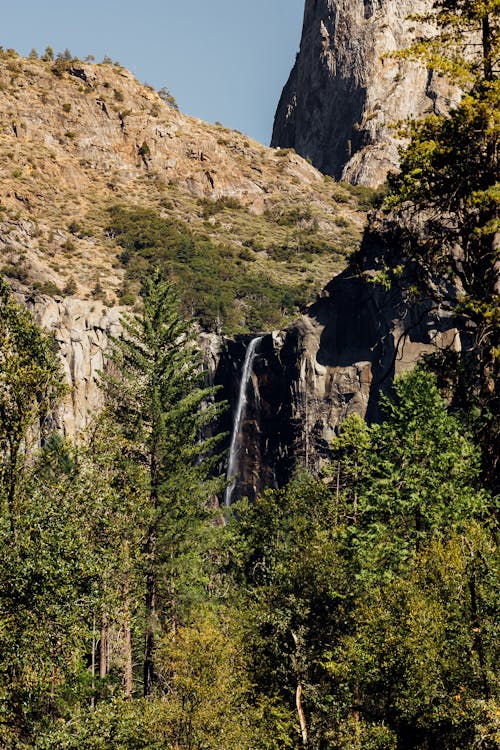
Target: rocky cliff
78, 138
335, 360
345, 93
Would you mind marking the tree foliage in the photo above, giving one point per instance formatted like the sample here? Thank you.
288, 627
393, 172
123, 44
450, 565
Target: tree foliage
30, 383
161, 407
447, 199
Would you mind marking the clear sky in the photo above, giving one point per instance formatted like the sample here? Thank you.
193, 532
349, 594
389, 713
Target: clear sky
223, 60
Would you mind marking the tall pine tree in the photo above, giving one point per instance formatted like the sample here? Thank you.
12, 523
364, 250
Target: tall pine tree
157, 396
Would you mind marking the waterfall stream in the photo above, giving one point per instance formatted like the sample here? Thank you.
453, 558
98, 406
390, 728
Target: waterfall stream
236, 441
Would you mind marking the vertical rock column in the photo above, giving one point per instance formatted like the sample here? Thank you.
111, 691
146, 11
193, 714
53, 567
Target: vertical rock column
345, 92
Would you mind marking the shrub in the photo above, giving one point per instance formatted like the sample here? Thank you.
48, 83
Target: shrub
210, 208
70, 287
47, 287
15, 271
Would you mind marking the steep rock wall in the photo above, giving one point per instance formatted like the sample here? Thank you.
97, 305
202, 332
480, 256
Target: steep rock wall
82, 332
335, 360
344, 93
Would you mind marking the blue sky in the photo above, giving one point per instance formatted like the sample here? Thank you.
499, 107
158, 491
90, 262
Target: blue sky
224, 60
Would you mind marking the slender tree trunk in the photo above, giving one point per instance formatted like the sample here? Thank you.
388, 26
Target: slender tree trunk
478, 639
151, 543
12, 479
298, 695
487, 62
151, 551
301, 714
127, 628
337, 495
103, 650
150, 614
92, 666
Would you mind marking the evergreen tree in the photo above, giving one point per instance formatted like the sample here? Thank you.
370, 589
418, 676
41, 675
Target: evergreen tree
466, 46
419, 474
157, 397
447, 202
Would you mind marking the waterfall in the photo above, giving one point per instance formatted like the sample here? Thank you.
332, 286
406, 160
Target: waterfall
232, 467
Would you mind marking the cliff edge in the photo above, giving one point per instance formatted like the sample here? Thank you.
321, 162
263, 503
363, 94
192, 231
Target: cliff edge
345, 93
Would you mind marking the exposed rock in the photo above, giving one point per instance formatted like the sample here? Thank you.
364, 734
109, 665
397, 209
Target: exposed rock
345, 93
91, 137
333, 361
82, 331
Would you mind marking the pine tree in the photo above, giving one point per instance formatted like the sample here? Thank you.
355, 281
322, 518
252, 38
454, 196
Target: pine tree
465, 41
447, 202
157, 397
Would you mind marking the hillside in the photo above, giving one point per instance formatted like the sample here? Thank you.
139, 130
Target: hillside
100, 179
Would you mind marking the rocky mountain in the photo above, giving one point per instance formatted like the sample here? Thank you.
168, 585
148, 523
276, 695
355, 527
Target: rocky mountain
83, 146
79, 141
346, 93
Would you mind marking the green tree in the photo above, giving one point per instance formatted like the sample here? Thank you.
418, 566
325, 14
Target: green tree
447, 199
419, 474
48, 54
289, 550
47, 579
115, 483
466, 45
30, 385
162, 409
422, 657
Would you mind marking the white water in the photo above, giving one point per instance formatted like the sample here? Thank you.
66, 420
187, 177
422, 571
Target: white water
234, 450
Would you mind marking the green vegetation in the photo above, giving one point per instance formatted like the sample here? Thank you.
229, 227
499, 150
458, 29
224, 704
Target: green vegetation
360, 611
219, 288
449, 181
372, 602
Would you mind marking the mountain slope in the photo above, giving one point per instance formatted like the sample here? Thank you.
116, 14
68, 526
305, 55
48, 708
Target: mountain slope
84, 144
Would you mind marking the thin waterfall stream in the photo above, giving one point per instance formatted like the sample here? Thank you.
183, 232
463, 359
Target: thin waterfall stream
236, 438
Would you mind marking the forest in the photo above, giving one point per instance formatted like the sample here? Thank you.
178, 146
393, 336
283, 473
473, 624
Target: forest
356, 610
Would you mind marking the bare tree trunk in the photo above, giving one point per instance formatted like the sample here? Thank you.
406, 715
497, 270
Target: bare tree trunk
301, 714
149, 640
103, 650
127, 627
487, 62
92, 666
298, 695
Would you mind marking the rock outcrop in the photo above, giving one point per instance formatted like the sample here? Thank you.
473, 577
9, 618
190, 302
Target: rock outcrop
345, 92
78, 139
82, 332
335, 360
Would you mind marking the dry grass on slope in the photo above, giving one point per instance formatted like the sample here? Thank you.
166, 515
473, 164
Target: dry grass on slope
78, 140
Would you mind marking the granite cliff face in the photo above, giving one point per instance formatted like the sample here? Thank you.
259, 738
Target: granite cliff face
344, 93
335, 360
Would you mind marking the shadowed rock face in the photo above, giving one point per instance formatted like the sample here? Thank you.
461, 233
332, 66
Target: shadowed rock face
333, 361
344, 92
